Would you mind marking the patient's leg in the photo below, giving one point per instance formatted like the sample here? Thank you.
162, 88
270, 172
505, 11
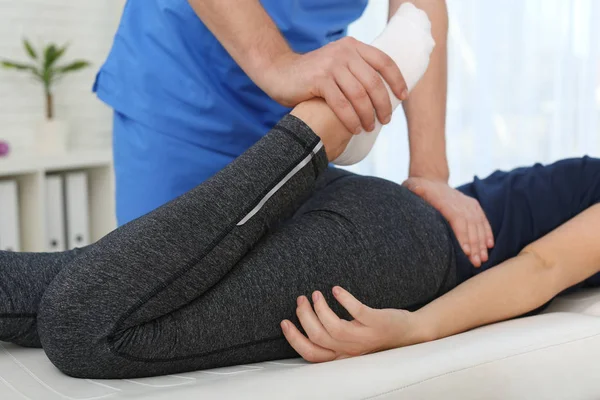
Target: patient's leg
24, 277
374, 237
23, 280
144, 271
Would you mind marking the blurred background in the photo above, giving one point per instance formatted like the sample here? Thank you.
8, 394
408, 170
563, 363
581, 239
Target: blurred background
88, 27
524, 87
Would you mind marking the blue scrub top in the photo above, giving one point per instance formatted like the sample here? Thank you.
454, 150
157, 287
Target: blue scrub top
168, 70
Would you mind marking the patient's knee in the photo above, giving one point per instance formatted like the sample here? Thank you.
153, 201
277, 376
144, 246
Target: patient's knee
69, 334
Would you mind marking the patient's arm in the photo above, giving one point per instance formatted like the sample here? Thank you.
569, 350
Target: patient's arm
559, 260
566, 256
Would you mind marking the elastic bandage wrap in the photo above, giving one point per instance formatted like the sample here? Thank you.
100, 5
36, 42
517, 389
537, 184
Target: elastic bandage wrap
408, 41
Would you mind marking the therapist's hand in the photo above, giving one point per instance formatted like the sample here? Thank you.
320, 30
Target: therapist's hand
345, 73
331, 338
467, 219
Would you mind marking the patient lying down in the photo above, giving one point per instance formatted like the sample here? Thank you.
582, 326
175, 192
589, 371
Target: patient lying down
219, 275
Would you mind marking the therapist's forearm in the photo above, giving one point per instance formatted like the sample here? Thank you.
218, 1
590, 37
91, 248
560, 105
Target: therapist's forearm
425, 108
246, 31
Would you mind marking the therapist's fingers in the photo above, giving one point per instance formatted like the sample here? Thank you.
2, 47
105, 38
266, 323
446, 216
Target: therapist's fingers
484, 231
341, 106
474, 243
489, 234
374, 87
460, 226
483, 254
358, 96
387, 67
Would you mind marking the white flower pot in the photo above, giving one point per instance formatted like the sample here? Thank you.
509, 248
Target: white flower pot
52, 137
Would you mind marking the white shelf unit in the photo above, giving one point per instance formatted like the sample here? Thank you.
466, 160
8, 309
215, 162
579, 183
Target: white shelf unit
30, 171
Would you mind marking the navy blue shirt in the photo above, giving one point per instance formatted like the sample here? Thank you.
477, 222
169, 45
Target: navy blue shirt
526, 204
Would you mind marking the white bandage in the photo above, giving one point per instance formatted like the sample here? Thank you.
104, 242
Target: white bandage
407, 40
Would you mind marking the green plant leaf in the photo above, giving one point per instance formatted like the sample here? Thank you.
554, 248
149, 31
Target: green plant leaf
29, 48
47, 76
52, 54
60, 52
74, 66
19, 66
49, 55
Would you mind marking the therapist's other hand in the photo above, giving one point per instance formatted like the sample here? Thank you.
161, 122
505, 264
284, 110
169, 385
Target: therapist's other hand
346, 73
331, 338
465, 215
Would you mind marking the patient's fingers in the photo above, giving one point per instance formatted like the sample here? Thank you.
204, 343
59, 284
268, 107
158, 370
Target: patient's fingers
307, 349
312, 325
358, 310
339, 329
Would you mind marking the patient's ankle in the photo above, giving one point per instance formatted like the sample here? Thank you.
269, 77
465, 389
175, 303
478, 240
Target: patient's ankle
322, 120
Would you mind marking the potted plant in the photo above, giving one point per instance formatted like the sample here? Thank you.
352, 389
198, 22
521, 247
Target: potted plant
52, 134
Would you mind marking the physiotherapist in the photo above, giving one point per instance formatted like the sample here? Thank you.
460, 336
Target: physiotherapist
194, 83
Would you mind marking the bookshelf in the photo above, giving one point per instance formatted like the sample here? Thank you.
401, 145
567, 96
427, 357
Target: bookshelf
30, 170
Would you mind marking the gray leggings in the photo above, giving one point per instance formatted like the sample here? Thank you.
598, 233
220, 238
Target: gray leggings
204, 280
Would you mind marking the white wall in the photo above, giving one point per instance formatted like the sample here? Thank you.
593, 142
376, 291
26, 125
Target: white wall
89, 27
524, 86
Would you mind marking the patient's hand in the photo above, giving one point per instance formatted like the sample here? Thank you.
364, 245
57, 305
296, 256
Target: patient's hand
468, 221
331, 338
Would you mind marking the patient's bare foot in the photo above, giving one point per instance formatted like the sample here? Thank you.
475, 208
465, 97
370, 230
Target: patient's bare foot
323, 121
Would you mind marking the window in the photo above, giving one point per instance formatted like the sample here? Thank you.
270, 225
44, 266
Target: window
524, 86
